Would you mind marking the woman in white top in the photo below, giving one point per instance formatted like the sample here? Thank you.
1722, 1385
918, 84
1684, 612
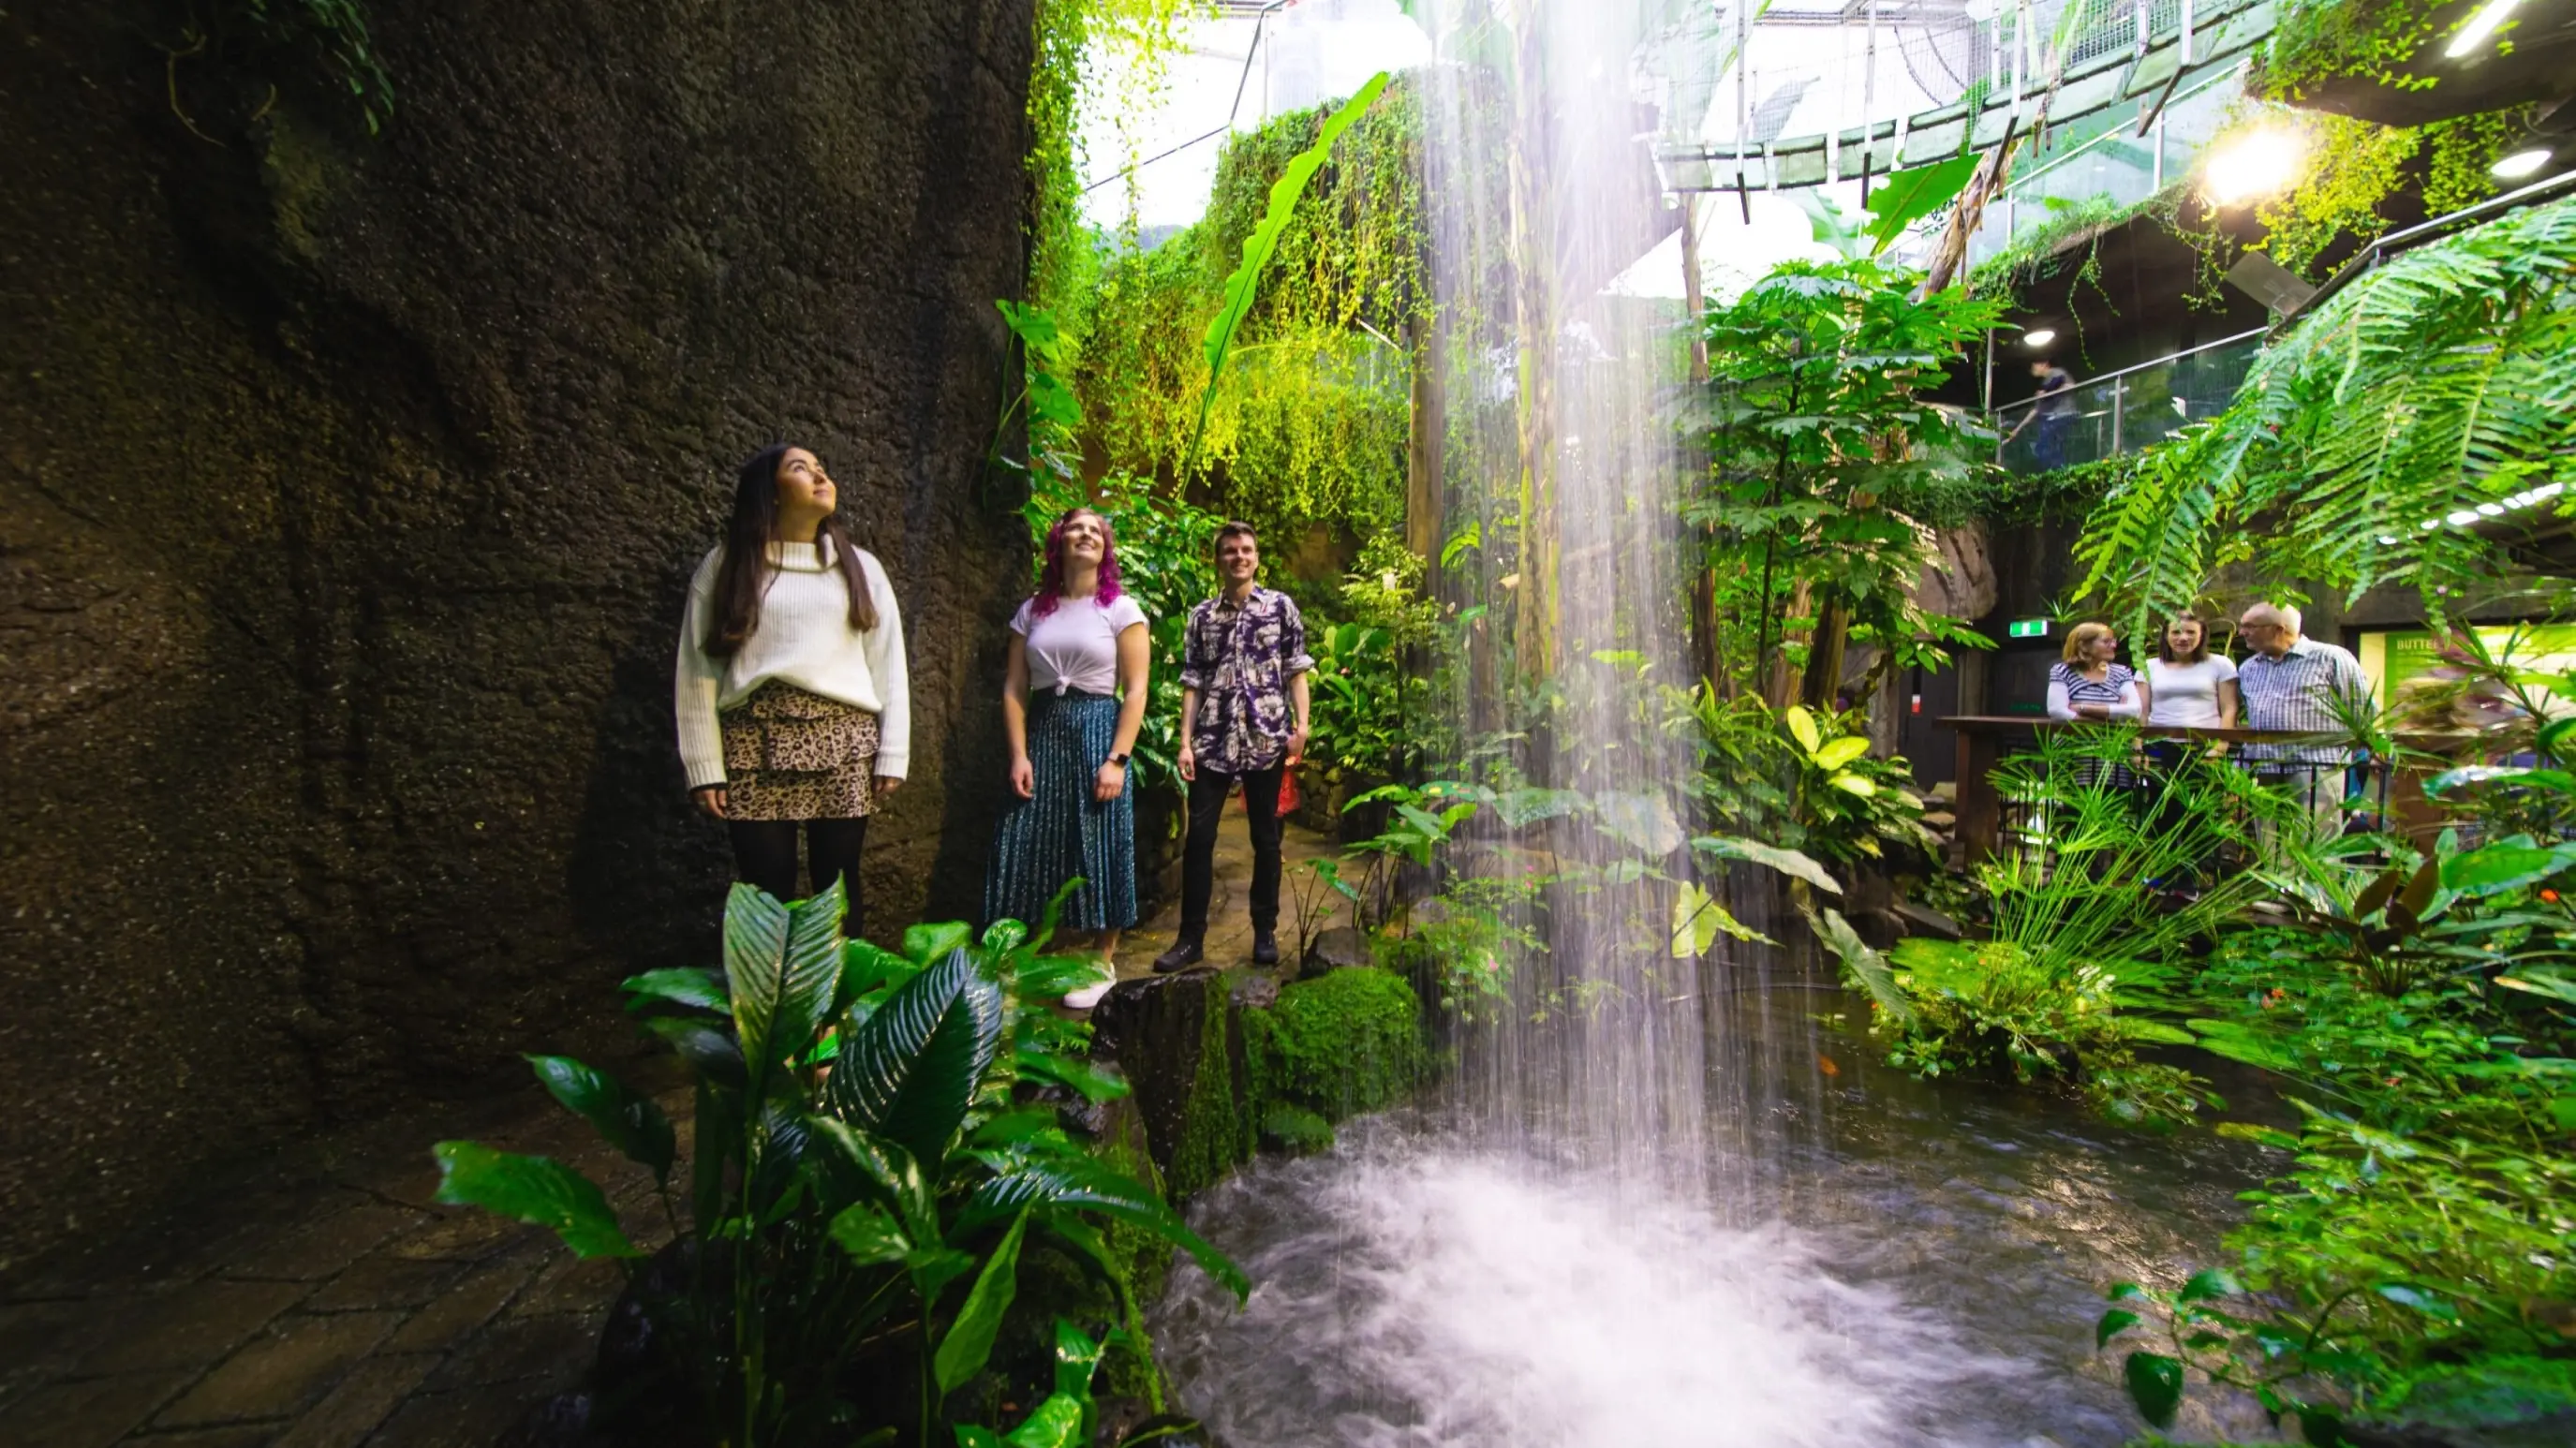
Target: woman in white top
790, 689
2186, 684
1073, 700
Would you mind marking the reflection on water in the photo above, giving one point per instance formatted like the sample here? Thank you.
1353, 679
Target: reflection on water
1922, 1265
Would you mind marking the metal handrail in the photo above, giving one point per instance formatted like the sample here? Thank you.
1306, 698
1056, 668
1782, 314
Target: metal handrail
2170, 357
2377, 250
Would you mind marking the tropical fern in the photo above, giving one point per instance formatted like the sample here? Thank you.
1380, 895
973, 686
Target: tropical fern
2442, 381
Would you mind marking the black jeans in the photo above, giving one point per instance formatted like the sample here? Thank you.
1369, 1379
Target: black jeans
764, 852
1208, 794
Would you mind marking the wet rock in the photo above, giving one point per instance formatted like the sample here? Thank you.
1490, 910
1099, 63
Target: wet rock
1254, 990
352, 486
1180, 1043
1924, 920
1339, 948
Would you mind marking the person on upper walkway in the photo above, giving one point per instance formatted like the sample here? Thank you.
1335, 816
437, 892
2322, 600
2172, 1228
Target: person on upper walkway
1244, 711
2052, 411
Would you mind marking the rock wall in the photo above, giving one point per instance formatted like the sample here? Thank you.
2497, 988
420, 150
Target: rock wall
348, 488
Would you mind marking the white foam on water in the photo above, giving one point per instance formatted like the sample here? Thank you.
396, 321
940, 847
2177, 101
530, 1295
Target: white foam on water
1409, 1298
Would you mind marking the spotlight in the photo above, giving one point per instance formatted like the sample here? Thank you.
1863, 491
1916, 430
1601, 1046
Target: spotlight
2254, 165
2462, 517
2480, 26
2520, 164
2490, 510
2040, 338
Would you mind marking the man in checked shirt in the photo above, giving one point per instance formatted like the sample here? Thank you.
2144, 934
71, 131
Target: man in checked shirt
2298, 684
1243, 722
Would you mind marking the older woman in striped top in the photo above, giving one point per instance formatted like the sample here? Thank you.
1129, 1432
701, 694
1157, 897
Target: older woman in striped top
1073, 700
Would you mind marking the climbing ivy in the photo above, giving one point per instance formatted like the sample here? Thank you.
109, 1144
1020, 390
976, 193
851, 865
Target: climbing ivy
1080, 43
1310, 423
329, 40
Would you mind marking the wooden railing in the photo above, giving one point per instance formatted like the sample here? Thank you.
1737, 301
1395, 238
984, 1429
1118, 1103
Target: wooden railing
1982, 740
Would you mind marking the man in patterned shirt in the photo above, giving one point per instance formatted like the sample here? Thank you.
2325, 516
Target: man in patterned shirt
2298, 684
1243, 721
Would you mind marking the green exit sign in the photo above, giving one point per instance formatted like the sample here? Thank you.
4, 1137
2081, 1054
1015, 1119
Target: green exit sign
2029, 628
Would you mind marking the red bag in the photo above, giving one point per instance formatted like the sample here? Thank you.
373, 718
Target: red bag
1288, 795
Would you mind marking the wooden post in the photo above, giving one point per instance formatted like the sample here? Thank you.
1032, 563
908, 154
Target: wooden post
1979, 814
1703, 604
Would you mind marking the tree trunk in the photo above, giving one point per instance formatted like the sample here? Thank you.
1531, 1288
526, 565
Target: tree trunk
1825, 657
1534, 305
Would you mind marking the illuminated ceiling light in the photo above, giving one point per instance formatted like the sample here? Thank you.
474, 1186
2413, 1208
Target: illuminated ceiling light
2429, 524
2546, 491
2385, 540
2462, 518
2254, 165
2040, 338
2490, 510
2480, 26
2520, 164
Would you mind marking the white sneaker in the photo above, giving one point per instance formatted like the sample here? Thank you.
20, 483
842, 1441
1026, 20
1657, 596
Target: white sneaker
1089, 996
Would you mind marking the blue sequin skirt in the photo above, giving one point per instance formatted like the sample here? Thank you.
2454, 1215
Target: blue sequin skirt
1063, 832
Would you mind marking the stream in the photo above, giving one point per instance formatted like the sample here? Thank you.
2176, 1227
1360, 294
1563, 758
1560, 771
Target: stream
1881, 1261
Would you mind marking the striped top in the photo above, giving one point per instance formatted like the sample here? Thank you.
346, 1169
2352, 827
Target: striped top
2301, 690
2116, 690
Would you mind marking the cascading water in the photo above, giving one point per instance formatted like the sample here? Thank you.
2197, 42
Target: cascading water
1641, 1215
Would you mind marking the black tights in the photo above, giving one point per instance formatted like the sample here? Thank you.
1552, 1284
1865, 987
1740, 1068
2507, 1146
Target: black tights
764, 851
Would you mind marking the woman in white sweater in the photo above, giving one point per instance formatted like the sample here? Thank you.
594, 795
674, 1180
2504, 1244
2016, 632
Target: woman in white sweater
790, 688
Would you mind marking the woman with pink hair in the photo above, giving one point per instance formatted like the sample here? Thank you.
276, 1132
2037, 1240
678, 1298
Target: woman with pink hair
1073, 699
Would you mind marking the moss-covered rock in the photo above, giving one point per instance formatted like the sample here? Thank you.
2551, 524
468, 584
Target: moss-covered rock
1346, 1042
1179, 1042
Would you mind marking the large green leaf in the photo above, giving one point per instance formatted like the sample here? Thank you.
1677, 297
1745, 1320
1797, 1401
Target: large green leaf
1839, 752
532, 1189
870, 1235
755, 955
969, 1342
1698, 919
891, 1172
1242, 283
908, 1072
931, 941
1081, 1184
688, 986
1866, 965
2155, 1385
1792, 863
1908, 196
627, 1119
710, 1051
2504, 866
1055, 1423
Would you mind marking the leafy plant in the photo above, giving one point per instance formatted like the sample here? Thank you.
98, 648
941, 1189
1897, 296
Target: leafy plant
1850, 802
1821, 451
863, 1150
2365, 437
1257, 248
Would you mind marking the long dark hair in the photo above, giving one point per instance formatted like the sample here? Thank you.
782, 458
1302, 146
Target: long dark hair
742, 579
1051, 581
2164, 639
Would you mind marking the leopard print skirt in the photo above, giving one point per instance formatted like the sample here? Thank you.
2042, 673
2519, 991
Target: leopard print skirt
791, 755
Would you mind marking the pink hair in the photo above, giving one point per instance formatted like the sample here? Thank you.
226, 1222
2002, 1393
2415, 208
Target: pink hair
1051, 582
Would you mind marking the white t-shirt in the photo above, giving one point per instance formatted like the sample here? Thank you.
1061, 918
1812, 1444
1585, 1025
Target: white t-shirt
2187, 694
1075, 646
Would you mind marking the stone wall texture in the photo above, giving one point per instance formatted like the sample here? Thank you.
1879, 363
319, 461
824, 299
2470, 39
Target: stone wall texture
349, 486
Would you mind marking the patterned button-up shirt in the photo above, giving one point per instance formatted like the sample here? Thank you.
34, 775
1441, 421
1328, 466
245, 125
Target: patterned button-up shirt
2300, 691
1240, 657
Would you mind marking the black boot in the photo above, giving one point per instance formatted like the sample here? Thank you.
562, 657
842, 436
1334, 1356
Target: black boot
1265, 948
1185, 952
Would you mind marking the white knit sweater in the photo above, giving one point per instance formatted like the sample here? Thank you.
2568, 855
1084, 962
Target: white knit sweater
803, 638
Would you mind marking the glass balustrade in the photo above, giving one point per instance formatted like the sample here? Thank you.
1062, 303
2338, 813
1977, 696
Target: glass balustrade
2126, 410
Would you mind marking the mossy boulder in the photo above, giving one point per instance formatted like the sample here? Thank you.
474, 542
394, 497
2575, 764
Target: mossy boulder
1179, 1042
1346, 1042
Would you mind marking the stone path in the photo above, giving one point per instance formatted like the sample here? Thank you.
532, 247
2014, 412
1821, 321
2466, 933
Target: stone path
321, 1300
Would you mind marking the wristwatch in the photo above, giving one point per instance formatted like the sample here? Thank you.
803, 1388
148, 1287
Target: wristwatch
1118, 759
